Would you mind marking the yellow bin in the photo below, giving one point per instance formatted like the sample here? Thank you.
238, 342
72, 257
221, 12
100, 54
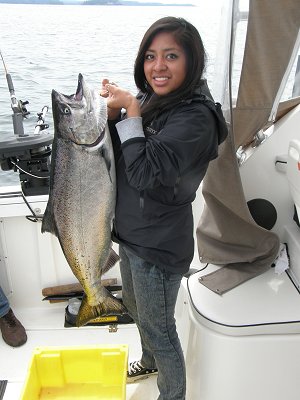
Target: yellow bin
85, 372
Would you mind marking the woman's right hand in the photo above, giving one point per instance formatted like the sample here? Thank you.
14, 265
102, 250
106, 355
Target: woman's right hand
119, 98
104, 92
113, 113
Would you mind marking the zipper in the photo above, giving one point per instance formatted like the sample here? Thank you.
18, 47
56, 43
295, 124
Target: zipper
176, 186
142, 200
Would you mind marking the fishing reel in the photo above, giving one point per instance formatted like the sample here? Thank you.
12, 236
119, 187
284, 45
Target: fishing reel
20, 107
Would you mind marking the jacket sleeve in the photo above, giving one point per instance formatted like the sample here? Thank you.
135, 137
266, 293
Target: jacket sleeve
189, 135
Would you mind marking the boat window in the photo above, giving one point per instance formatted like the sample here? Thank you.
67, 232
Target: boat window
236, 28
292, 88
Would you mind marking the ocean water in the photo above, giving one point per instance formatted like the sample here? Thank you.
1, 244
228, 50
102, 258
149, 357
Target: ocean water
46, 46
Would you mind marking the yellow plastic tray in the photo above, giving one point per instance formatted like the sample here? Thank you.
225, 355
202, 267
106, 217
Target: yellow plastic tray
85, 372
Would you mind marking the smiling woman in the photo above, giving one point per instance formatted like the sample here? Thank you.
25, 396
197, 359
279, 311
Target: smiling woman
165, 64
163, 144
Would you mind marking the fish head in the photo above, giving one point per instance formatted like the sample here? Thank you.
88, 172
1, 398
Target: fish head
80, 117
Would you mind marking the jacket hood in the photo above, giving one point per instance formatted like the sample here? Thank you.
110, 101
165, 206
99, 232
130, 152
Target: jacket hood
202, 94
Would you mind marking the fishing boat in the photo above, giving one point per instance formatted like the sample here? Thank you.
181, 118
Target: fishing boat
238, 309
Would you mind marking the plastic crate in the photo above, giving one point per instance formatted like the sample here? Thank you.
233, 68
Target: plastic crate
85, 372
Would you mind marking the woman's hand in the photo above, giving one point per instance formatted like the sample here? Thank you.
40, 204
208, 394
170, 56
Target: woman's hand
113, 113
119, 98
104, 91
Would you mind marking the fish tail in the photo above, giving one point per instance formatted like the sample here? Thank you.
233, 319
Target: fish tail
109, 306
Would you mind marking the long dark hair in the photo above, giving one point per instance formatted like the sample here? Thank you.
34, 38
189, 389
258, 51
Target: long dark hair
188, 37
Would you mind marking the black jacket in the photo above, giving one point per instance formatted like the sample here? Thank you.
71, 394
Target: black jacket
157, 178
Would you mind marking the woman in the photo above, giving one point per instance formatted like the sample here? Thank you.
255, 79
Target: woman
163, 144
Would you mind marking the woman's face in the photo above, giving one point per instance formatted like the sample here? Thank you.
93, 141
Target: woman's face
165, 64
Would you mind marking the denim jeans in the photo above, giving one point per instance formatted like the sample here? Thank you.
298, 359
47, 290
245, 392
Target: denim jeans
150, 297
4, 304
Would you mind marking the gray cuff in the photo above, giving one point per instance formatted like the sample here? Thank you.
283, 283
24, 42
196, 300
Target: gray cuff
130, 128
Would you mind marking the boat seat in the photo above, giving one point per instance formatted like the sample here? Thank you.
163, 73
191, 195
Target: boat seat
244, 344
293, 175
267, 304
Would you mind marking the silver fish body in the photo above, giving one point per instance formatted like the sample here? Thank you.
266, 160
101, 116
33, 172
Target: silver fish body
82, 195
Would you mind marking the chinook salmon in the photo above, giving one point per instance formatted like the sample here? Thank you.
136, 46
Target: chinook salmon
81, 203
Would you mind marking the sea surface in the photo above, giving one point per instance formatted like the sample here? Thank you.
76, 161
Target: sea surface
46, 46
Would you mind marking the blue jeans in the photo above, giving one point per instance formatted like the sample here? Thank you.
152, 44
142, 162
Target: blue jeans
4, 304
150, 297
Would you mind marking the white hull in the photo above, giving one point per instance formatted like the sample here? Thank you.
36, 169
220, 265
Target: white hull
239, 345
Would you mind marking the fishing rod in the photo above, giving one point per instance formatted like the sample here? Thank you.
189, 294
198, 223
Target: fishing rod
18, 106
29, 155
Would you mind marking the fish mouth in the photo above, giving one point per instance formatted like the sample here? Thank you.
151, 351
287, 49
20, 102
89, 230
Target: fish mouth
78, 96
82, 91
79, 91
97, 141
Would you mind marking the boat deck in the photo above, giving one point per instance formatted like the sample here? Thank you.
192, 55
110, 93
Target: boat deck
47, 329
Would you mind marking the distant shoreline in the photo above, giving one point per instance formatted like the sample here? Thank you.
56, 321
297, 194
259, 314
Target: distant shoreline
94, 3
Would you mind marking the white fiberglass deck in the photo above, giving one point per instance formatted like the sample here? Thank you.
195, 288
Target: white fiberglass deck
47, 329
29, 262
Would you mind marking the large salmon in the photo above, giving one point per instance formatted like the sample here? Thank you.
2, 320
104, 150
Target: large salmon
82, 195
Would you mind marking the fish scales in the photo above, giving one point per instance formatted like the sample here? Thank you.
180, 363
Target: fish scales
81, 203
76, 206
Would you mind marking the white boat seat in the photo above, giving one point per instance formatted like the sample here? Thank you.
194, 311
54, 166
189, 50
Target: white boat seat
267, 304
293, 173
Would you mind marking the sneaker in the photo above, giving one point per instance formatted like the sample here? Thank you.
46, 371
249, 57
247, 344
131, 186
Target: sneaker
136, 371
12, 330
